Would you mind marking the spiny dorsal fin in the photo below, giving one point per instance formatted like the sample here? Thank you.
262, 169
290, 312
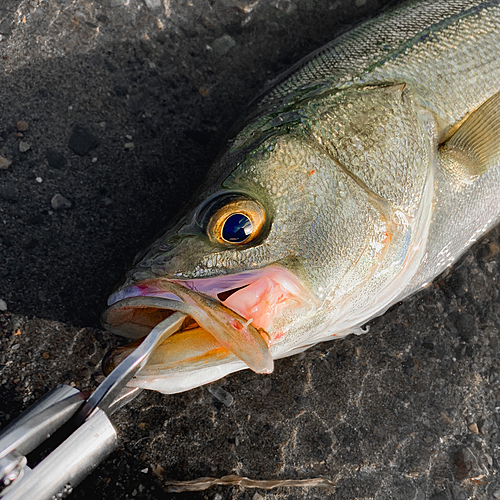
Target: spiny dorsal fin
475, 146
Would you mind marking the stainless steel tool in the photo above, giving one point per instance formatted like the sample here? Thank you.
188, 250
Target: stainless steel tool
92, 436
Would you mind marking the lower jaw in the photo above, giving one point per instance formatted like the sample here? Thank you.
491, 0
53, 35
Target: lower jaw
190, 347
189, 358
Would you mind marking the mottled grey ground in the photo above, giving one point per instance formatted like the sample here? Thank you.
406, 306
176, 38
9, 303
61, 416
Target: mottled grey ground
126, 103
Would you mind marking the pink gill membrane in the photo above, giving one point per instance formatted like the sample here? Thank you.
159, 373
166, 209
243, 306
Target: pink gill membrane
266, 293
259, 302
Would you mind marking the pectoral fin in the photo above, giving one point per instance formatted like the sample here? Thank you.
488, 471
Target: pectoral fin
474, 148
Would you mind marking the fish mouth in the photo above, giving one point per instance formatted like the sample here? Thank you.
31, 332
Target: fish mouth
234, 316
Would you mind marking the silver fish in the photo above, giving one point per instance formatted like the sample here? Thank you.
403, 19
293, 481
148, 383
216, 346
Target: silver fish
355, 180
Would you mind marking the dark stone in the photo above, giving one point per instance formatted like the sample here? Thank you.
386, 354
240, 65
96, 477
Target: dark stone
428, 345
35, 220
461, 470
8, 192
32, 244
464, 324
82, 141
120, 90
6, 242
440, 495
458, 282
5, 26
199, 136
102, 18
55, 158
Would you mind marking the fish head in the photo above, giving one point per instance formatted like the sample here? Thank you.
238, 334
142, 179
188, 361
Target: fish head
269, 259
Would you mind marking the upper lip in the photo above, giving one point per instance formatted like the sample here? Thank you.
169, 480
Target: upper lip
209, 286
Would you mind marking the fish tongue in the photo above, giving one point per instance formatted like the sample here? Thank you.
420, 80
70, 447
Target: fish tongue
229, 328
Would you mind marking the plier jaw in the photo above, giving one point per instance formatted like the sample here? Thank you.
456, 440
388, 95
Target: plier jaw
57, 474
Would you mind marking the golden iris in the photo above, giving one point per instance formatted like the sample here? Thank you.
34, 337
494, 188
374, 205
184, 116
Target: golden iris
236, 223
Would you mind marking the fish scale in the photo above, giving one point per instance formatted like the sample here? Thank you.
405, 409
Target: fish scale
372, 167
451, 78
374, 43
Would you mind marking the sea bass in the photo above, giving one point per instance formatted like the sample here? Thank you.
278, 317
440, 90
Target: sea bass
359, 177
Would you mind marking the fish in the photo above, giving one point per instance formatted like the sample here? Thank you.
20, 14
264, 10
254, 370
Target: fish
356, 179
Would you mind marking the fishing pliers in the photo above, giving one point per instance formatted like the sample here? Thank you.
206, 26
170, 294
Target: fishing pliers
92, 436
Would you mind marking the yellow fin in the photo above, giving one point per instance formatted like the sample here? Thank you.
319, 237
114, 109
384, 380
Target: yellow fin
474, 148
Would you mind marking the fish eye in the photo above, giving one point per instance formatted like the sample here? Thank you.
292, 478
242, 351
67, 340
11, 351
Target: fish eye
236, 223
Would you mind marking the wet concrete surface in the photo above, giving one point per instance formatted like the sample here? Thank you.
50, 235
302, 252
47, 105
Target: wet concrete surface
119, 107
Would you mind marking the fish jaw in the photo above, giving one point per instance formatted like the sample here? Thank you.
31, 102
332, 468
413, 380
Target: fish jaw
235, 321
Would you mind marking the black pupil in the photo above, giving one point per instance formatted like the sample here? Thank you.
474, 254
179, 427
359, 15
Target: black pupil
237, 228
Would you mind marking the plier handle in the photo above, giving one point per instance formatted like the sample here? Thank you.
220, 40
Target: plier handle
92, 435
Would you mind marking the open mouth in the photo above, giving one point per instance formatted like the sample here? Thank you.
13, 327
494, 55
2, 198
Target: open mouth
235, 316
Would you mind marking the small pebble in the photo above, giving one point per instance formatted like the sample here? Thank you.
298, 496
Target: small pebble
5, 163
496, 494
39, 180
145, 471
94, 160
153, 4
21, 126
222, 45
3, 305
129, 146
220, 394
474, 428
45, 355
128, 137
24, 146
59, 202
157, 470
490, 267
494, 249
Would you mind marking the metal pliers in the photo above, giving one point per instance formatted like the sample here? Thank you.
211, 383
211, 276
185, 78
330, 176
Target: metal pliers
92, 435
